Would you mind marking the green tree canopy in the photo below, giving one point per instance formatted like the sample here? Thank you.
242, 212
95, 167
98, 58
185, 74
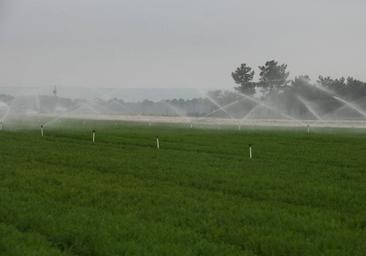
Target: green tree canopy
300, 81
272, 75
244, 77
350, 88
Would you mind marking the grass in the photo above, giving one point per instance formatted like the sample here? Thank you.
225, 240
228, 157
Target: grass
198, 195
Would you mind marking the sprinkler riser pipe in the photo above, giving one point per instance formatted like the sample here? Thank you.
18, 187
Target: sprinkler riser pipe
93, 136
157, 143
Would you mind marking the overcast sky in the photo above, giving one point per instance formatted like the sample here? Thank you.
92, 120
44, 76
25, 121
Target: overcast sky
175, 43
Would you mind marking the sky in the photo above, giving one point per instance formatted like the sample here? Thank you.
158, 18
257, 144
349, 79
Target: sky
175, 43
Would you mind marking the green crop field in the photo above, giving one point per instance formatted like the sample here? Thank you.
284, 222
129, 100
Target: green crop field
200, 194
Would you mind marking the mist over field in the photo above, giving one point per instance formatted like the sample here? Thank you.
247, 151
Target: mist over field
185, 58
126, 94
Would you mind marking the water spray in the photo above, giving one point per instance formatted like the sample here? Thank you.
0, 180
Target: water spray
309, 108
345, 102
157, 143
265, 105
177, 111
220, 108
93, 135
250, 151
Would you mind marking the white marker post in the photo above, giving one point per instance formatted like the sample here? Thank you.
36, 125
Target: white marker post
250, 151
93, 135
157, 143
42, 130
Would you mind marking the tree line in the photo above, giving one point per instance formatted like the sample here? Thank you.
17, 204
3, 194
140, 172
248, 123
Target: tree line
274, 77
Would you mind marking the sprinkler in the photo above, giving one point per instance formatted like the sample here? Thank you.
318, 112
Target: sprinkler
308, 128
157, 143
250, 151
239, 127
93, 135
1, 125
191, 125
42, 130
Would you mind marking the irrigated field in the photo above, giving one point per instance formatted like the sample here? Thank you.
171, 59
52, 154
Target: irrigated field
198, 195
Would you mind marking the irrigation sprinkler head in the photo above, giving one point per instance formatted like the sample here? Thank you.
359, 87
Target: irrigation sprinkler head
250, 151
42, 130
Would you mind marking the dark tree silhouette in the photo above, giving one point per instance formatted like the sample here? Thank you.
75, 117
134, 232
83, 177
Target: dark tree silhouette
349, 88
300, 81
244, 76
273, 75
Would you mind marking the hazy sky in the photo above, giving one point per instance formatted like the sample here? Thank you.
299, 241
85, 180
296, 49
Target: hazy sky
175, 43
